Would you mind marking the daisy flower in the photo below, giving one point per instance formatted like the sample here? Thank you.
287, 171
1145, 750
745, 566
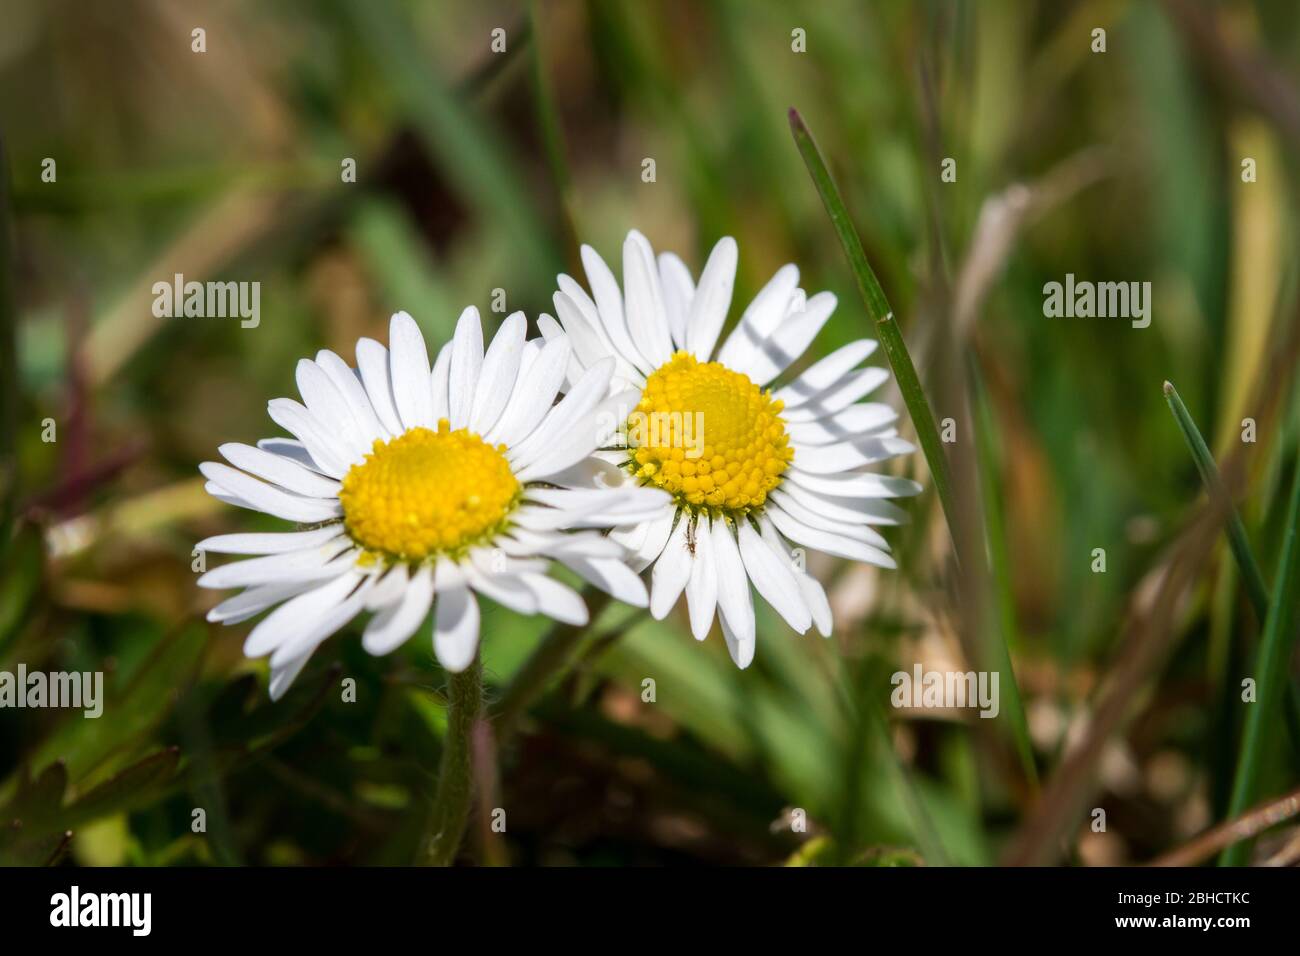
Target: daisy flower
751, 466
416, 488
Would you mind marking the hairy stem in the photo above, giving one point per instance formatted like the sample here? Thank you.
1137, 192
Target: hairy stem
452, 801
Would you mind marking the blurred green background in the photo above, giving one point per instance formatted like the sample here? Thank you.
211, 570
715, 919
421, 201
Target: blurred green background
475, 171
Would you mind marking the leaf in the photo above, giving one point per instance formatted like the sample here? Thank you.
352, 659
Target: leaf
135, 786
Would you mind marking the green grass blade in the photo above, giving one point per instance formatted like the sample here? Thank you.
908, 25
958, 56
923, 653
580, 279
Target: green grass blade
873, 297
1271, 673
1251, 576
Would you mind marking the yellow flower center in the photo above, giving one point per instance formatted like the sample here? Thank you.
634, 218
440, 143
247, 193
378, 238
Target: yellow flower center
709, 436
427, 493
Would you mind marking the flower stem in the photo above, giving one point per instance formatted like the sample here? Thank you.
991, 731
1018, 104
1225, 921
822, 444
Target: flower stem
552, 656
452, 800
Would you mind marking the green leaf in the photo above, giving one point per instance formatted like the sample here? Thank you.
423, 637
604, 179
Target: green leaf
135, 786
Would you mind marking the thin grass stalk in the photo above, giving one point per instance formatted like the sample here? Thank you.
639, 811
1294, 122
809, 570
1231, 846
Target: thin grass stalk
1252, 578
873, 297
1271, 671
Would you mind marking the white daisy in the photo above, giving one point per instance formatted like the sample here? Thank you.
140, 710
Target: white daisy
417, 487
751, 467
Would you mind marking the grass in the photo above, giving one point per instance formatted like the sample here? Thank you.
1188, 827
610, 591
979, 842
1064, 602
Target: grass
918, 406
1272, 675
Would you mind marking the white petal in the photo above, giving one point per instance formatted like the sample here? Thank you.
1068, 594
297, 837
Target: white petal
346, 381
304, 565
610, 575
588, 434
561, 420
268, 498
539, 519
827, 541
735, 602
671, 571
643, 301
845, 456
712, 299
679, 291
774, 578
702, 588
408, 369
622, 505
533, 396
581, 319
553, 331
556, 600
507, 589
772, 356
391, 627
845, 510
855, 421
372, 362
762, 316
336, 617
255, 600
284, 675
814, 594
862, 484
739, 646
328, 406
588, 345
602, 470
826, 372
815, 597
838, 396
466, 363
292, 449
216, 491
298, 615
854, 531
654, 540
586, 544
269, 543
439, 384
389, 588
609, 305
332, 457
281, 471
456, 619
499, 373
